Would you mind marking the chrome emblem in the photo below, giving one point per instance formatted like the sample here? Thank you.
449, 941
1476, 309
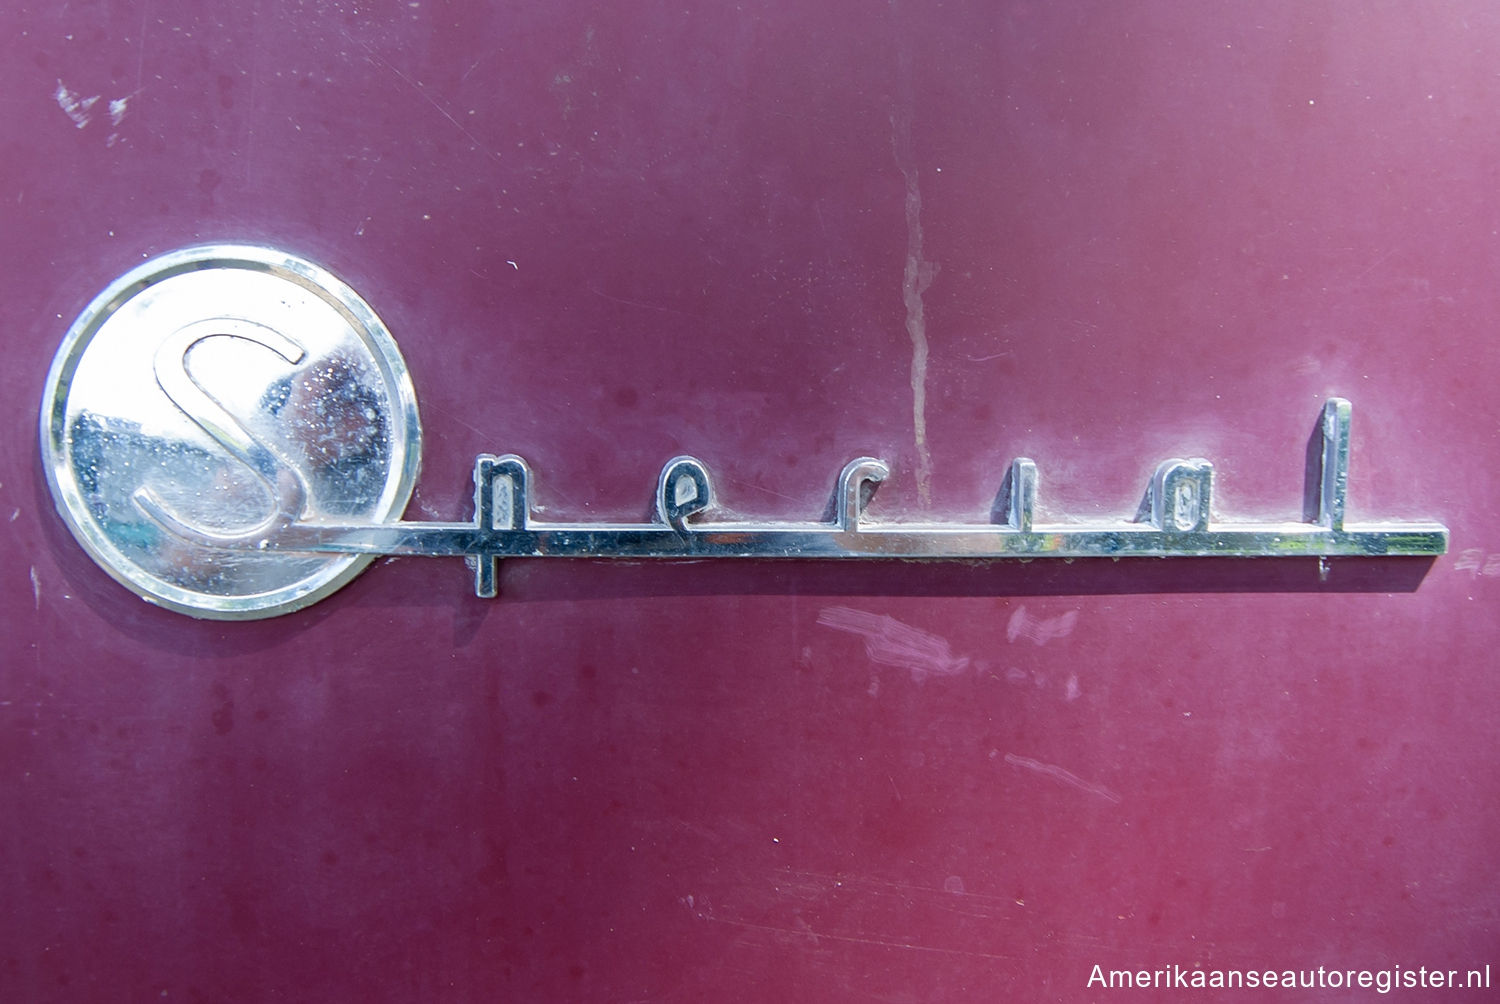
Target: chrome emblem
212, 398
231, 432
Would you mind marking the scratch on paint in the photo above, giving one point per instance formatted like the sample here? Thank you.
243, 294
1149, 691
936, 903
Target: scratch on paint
918, 274
417, 86
805, 931
629, 303
1067, 777
36, 589
889, 642
1040, 630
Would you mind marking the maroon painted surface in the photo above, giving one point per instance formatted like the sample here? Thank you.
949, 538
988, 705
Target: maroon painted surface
608, 234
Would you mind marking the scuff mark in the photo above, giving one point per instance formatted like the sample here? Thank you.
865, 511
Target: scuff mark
117, 109
80, 109
918, 273
36, 589
889, 642
804, 930
1067, 777
1040, 630
74, 107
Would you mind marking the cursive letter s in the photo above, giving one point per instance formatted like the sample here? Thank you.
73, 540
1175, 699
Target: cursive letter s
287, 486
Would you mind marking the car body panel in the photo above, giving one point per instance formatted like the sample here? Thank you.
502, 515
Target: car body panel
1096, 235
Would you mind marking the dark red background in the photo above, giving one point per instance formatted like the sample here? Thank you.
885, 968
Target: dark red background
608, 234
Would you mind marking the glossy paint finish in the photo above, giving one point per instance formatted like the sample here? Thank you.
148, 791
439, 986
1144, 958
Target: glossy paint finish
1094, 235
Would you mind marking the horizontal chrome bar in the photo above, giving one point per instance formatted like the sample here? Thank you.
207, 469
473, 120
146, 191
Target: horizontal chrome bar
905, 541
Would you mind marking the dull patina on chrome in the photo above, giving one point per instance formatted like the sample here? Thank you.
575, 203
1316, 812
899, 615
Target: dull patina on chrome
231, 432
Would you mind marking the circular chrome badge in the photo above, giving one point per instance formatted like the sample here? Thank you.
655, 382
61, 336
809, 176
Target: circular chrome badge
211, 397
